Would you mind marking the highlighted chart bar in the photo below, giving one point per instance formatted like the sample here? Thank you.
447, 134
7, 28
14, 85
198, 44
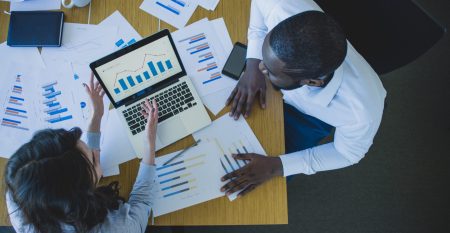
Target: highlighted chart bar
169, 8
180, 191
210, 66
198, 48
13, 124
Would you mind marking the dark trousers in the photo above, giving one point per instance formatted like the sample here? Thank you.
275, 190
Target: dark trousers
302, 131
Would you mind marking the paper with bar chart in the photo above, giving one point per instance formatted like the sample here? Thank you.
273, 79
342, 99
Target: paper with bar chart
16, 116
203, 56
230, 137
173, 12
191, 179
139, 69
126, 34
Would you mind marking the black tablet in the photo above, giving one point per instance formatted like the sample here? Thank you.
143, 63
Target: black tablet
35, 28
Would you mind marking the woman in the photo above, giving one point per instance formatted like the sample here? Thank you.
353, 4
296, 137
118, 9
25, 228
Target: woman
52, 181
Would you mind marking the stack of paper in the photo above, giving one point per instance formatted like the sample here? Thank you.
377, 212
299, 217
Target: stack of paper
47, 89
176, 12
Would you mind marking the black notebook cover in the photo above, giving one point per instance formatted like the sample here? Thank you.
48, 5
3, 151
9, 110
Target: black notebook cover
35, 28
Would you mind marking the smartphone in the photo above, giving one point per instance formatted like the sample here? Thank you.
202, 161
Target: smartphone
236, 61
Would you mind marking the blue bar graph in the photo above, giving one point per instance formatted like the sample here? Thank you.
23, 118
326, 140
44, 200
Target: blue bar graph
122, 84
116, 90
175, 185
120, 42
152, 68
160, 66
146, 75
169, 64
179, 2
177, 192
139, 79
205, 59
169, 8
58, 111
53, 108
173, 171
132, 41
131, 81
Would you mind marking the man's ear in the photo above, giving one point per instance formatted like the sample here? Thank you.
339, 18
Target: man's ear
312, 82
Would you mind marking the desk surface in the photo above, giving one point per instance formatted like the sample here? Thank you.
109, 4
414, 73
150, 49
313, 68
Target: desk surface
265, 205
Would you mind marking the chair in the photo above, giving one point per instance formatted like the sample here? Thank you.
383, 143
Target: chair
388, 34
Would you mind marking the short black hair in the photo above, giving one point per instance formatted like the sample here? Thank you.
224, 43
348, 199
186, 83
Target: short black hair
311, 44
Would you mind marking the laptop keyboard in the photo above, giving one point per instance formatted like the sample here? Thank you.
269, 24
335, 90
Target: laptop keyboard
171, 102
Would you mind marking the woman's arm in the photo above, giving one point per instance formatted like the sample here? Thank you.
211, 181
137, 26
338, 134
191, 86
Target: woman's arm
96, 93
143, 194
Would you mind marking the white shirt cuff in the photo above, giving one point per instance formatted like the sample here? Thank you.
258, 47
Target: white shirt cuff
254, 49
293, 164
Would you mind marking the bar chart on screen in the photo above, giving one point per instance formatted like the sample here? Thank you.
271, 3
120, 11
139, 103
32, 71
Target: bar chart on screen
183, 183
139, 69
150, 69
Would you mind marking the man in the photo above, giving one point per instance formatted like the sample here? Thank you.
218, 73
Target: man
325, 83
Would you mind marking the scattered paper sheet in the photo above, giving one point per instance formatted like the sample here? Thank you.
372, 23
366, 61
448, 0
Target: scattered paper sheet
112, 171
35, 5
174, 12
16, 124
215, 102
230, 136
82, 43
203, 56
126, 34
115, 146
208, 4
23, 55
184, 182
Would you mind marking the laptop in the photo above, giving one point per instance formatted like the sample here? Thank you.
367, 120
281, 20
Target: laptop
151, 69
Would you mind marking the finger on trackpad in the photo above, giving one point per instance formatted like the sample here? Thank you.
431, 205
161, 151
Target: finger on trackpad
171, 130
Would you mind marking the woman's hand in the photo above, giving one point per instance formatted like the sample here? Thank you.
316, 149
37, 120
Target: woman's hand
150, 112
96, 93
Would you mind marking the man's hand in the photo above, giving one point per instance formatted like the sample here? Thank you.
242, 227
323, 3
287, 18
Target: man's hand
249, 85
259, 169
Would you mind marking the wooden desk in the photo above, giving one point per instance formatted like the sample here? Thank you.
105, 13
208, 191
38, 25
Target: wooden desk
265, 205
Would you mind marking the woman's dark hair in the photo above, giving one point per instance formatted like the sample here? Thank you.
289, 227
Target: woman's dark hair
311, 44
53, 182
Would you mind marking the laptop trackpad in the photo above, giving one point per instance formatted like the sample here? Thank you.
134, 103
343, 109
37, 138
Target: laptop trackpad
171, 130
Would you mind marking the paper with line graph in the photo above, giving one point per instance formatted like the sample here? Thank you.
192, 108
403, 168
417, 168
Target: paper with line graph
230, 137
190, 179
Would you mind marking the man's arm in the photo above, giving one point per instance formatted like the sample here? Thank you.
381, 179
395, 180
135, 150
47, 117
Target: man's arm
350, 145
252, 81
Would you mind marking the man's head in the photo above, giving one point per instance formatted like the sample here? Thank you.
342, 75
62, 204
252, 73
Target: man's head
302, 50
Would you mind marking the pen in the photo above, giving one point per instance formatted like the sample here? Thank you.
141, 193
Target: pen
181, 152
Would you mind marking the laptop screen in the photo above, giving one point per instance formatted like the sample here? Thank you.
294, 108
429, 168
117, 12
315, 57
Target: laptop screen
139, 69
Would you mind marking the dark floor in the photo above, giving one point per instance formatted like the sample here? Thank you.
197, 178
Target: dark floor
403, 183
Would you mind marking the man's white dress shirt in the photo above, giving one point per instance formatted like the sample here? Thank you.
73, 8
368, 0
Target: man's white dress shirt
353, 100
